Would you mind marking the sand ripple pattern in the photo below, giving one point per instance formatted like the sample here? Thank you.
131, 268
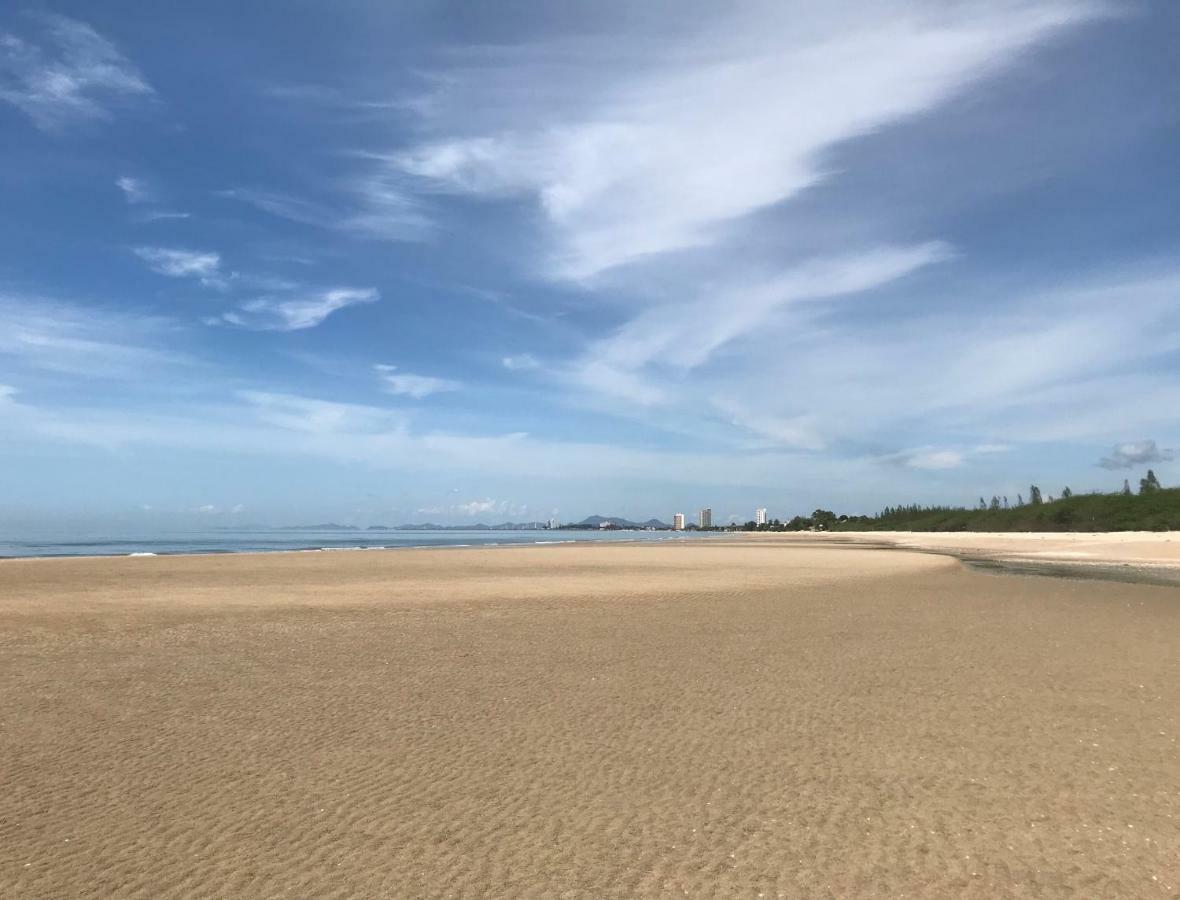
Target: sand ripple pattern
616, 722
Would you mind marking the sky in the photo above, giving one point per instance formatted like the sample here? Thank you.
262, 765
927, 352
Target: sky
384, 262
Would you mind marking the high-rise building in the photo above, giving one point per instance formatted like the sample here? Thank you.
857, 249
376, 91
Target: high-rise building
678, 522
760, 516
551, 524
706, 518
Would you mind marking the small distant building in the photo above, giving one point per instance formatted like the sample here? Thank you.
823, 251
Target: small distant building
678, 522
760, 516
551, 524
706, 518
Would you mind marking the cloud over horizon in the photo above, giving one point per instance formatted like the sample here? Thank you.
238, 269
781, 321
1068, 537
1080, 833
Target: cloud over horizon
608, 259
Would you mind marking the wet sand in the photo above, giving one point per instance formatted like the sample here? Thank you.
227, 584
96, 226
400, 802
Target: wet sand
734, 719
1142, 557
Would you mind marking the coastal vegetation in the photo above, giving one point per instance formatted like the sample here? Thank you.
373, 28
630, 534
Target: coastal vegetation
1152, 508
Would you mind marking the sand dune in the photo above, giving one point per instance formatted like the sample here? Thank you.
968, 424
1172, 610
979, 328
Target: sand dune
725, 720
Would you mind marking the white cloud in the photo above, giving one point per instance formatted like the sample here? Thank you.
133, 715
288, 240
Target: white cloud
284, 425
370, 206
176, 263
416, 386
321, 417
991, 448
141, 194
931, 458
632, 151
684, 335
306, 310
520, 361
154, 215
476, 507
74, 77
135, 190
996, 369
68, 338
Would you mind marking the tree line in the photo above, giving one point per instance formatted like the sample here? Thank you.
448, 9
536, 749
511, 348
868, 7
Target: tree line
1152, 508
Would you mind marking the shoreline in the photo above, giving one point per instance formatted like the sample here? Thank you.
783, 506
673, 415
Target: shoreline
996, 553
351, 549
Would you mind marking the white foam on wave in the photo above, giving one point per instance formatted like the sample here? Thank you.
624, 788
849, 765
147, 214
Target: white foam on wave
142, 554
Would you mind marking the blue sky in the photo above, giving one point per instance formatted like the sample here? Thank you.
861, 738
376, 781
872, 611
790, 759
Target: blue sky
387, 262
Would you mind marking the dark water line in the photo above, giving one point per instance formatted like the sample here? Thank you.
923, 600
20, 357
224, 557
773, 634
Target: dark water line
1124, 573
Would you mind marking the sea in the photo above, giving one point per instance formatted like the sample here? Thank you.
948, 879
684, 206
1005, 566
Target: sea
312, 540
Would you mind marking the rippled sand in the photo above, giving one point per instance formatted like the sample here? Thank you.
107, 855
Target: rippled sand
725, 720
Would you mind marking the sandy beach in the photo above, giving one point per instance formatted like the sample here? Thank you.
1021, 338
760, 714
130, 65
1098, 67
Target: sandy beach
752, 717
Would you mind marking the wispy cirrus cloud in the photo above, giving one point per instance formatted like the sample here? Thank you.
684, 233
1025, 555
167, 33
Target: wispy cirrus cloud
927, 458
685, 334
653, 163
204, 266
135, 190
368, 205
302, 309
145, 198
632, 152
322, 417
67, 338
394, 381
519, 362
73, 75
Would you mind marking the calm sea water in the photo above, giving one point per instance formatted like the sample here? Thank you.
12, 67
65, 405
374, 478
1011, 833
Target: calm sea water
256, 541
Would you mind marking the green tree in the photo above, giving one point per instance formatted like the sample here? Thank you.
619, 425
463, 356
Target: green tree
1066, 492
1034, 495
823, 518
995, 504
1150, 484
1126, 488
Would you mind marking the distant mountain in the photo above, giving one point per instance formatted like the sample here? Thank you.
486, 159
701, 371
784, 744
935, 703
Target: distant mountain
618, 522
325, 526
588, 522
479, 526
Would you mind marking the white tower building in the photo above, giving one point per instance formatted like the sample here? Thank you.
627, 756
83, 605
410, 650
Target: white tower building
760, 516
678, 522
706, 518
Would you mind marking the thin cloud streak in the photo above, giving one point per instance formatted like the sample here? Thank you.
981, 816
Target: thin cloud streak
369, 205
394, 381
69, 339
204, 266
75, 76
304, 310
